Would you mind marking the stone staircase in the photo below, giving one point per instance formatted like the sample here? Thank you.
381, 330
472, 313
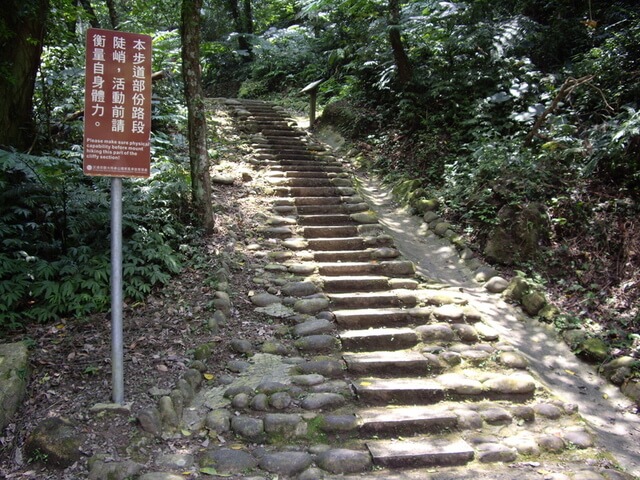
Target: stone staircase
398, 379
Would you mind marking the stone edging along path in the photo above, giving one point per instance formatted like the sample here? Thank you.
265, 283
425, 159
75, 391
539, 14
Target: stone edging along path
401, 364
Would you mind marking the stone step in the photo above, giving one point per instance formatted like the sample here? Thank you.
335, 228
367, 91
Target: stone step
355, 255
373, 339
343, 244
398, 362
392, 268
303, 182
302, 168
381, 317
324, 219
339, 231
385, 422
313, 191
342, 209
406, 391
302, 174
351, 284
359, 300
289, 133
420, 453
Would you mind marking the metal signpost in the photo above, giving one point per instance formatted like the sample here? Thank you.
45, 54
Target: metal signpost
117, 128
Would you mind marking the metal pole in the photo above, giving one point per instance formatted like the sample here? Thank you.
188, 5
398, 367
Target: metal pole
117, 370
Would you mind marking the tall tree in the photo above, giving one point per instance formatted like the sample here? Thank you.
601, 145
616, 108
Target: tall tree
243, 23
22, 28
197, 123
395, 39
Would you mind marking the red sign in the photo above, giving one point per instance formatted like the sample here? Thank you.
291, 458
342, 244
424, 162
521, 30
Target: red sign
117, 112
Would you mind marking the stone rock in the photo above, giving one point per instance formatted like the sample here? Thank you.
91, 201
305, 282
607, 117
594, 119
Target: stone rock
327, 367
551, 443
494, 452
549, 313
289, 464
448, 313
241, 346
99, 469
466, 333
312, 473
202, 352
299, 289
260, 402
496, 285
238, 366
218, 421
339, 423
631, 389
54, 442
468, 419
518, 287
221, 301
513, 360
286, 425
458, 384
436, 332
280, 400
548, 410
519, 231
228, 461
441, 228
496, 416
514, 384
248, 427
451, 358
307, 380
177, 461
263, 299
609, 369
593, 349
579, 439
14, 376
484, 274
533, 302
314, 326
317, 343
318, 401
524, 444
485, 332
340, 460
475, 357
364, 217
223, 179
274, 348
150, 421
524, 413
241, 401
168, 413
311, 306
423, 205
430, 217
158, 476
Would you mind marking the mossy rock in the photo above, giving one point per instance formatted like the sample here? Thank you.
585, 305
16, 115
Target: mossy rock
593, 349
549, 313
54, 442
424, 205
518, 287
533, 302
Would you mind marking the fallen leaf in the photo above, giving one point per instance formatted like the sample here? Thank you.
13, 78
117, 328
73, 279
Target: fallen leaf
162, 367
209, 376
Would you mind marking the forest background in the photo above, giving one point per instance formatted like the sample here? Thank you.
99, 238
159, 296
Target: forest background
491, 108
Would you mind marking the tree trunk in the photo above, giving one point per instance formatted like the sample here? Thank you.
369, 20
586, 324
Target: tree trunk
93, 20
400, 56
243, 24
22, 28
197, 123
113, 14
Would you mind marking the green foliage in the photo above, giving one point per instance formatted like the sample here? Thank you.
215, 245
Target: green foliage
54, 230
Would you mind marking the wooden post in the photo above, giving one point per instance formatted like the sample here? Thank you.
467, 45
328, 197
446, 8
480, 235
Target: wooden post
312, 90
